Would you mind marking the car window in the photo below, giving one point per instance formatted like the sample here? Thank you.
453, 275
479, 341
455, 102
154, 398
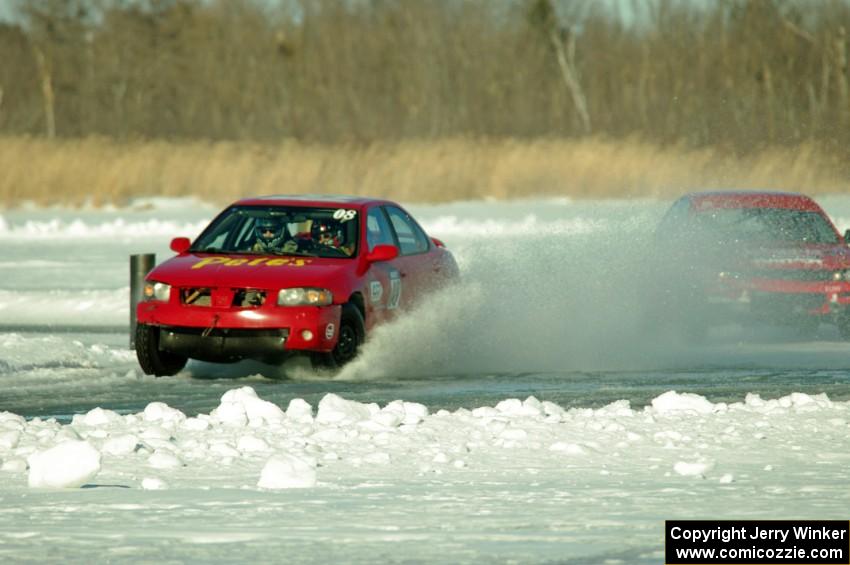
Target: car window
282, 230
766, 224
222, 233
378, 230
411, 238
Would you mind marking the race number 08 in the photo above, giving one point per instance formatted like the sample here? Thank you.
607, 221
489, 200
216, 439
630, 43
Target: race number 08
345, 215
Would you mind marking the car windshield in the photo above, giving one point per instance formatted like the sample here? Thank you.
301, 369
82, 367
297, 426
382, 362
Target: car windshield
282, 230
764, 225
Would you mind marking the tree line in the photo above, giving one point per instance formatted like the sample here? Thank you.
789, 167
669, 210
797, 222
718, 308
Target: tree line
741, 74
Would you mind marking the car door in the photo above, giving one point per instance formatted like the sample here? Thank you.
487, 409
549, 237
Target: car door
384, 280
416, 262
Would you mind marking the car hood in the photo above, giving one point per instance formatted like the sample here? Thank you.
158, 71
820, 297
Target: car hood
253, 271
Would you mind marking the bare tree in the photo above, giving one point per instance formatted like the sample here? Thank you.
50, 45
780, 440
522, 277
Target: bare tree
733, 73
45, 74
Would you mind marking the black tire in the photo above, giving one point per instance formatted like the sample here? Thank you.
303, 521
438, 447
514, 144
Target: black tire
352, 334
152, 360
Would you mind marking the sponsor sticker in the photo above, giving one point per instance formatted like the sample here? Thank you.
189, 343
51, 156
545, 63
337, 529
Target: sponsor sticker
259, 262
376, 291
395, 290
329, 331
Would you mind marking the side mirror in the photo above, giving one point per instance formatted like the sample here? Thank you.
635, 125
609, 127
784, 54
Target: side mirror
180, 245
438, 242
382, 253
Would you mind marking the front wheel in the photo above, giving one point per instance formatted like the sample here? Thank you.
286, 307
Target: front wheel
352, 334
151, 359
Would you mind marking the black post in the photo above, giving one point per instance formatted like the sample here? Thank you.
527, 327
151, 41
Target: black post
140, 266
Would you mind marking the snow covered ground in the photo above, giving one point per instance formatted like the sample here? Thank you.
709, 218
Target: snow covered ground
343, 481
544, 429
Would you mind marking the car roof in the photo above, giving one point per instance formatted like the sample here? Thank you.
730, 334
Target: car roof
337, 200
751, 199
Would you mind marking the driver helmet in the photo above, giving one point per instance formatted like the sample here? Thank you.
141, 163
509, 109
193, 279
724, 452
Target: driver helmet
267, 230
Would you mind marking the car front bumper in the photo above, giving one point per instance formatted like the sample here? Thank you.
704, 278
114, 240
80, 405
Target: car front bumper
265, 332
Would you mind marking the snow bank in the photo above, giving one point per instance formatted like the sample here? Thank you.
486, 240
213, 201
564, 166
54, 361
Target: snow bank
242, 406
64, 229
288, 471
66, 465
672, 402
22, 352
253, 443
65, 307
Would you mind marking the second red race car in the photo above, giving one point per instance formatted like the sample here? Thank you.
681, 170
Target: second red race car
276, 275
750, 256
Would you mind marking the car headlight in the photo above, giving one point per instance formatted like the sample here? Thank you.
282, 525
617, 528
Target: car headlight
843, 275
157, 291
304, 297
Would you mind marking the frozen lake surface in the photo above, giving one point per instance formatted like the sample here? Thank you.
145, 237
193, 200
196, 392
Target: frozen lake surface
522, 415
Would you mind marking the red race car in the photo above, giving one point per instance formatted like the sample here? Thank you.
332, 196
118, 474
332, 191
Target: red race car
277, 275
768, 256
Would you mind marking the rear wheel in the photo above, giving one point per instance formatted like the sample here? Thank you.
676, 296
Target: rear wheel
151, 359
352, 334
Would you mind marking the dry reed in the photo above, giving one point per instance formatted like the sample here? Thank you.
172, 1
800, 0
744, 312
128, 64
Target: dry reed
100, 171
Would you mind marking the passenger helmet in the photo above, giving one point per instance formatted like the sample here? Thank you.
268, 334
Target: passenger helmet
325, 232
